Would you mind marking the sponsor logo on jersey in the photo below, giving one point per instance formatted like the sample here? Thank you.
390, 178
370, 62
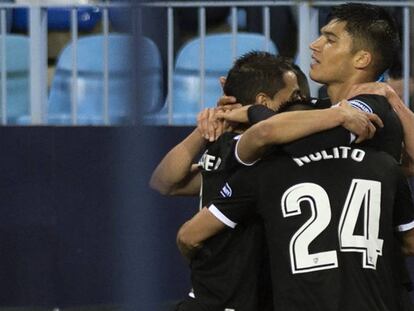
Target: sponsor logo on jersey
226, 191
209, 162
358, 104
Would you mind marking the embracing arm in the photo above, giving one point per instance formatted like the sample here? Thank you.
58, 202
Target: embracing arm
195, 231
408, 243
176, 174
405, 115
290, 126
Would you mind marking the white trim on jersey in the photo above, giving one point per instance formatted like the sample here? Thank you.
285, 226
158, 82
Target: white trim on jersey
237, 155
405, 227
220, 216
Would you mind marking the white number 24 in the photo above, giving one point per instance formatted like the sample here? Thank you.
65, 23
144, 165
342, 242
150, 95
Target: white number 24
365, 194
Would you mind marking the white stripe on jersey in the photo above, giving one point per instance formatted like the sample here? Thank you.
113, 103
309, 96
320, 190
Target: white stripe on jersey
220, 216
237, 155
405, 227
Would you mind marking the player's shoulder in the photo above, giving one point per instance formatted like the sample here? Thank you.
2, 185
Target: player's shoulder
380, 158
370, 102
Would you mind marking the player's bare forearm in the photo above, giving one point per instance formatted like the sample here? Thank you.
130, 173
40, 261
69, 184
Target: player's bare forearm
284, 128
194, 232
186, 249
175, 174
408, 243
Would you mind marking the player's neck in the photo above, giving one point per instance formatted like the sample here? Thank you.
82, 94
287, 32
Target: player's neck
339, 91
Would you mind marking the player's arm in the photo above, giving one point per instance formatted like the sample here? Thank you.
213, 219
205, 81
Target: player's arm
408, 242
235, 202
176, 174
198, 229
405, 115
289, 126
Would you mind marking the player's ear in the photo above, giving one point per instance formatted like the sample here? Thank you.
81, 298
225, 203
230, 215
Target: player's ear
362, 59
262, 99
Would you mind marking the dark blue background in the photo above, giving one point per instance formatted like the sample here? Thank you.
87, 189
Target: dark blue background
78, 224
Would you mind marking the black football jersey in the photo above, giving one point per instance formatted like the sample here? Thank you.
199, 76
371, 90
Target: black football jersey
387, 139
330, 220
217, 163
231, 269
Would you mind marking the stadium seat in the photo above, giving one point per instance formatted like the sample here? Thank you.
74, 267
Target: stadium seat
59, 19
17, 76
186, 78
90, 83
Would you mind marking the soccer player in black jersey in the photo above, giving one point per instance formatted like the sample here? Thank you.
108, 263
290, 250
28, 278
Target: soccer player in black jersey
216, 286
330, 225
352, 60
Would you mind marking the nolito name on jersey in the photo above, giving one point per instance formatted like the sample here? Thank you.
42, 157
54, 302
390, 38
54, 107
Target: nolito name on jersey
342, 152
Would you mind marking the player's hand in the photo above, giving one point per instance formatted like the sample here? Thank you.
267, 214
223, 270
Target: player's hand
209, 126
378, 88
227, 101
237, 115
359, 122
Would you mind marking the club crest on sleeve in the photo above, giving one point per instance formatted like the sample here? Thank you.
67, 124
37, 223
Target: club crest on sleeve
358, 104
226, 191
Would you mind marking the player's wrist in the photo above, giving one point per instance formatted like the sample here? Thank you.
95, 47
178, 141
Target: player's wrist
339, 115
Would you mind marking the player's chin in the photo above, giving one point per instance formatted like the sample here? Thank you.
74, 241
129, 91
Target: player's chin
315, 76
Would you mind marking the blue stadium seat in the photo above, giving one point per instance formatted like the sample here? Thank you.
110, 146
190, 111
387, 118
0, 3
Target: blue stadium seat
90, 84
218, 60
17, 73
59, 18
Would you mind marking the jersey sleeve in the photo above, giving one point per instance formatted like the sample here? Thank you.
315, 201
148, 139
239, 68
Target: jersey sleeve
389, 138
403, 206
237, 198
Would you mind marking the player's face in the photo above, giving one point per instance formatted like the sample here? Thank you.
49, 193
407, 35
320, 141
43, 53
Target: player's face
332, 54
289, 92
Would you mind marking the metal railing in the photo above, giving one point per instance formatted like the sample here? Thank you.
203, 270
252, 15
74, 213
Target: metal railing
307, 17
38, 58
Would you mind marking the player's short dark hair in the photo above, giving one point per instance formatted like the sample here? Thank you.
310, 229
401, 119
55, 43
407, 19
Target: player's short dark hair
302, 82
256, 72
373, 29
